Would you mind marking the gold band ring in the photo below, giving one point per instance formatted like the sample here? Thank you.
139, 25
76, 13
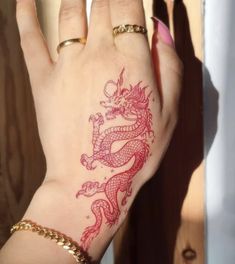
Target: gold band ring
129, 29
70, 42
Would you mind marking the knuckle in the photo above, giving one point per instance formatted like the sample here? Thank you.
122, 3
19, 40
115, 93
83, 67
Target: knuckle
126, 2
173, 115
68, 12
179, 65
26, 40
21, 10
170, 120
134, 6
99, 3
20, 5
174, 118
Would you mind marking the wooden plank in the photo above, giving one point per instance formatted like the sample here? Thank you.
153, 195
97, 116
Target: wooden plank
190, 238
21, 159
167, 217
48, 12
166, 224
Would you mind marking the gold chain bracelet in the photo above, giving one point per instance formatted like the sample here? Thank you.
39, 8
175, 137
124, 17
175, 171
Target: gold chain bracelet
62, 240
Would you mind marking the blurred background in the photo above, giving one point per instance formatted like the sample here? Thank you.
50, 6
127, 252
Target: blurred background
185, 214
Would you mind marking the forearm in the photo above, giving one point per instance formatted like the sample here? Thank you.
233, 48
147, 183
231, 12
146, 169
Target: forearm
55, 206
27, 247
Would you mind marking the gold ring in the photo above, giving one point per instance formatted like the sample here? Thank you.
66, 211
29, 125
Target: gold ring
129, 29
70, 42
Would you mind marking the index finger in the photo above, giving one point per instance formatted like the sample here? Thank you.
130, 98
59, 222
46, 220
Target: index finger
35, 49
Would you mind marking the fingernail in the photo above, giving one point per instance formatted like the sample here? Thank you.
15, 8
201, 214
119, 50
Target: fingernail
163, 32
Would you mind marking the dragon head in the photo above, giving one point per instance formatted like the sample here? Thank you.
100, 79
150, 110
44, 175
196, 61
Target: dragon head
123, 101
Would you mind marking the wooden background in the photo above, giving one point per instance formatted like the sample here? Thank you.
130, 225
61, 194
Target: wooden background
21, 160
166, 223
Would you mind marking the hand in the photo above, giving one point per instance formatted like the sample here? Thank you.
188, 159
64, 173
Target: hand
105, 113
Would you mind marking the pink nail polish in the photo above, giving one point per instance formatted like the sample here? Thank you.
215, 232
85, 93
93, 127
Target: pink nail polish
163, 32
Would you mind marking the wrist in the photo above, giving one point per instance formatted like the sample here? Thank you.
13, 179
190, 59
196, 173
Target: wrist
87, 207
55, 206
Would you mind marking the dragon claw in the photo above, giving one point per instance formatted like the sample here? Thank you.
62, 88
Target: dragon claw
97, 119
124, 201
112, 222
90, 188
127, 194
90, 167
84, 159
87, 162
88, 235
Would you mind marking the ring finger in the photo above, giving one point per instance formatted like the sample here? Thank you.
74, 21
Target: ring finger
128, 12
72, 21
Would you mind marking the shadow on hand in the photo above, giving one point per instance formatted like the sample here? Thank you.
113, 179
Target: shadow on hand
156, 214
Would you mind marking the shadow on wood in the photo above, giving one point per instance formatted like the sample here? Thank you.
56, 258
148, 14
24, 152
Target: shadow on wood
155, 217
21, 159
156, 214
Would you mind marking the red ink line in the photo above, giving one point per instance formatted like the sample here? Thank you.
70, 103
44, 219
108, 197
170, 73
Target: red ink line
132, 104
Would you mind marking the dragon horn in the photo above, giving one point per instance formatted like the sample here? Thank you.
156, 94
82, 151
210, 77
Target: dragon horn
120, 82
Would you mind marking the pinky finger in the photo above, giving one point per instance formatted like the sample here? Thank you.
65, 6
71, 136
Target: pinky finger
168, 68
37, 57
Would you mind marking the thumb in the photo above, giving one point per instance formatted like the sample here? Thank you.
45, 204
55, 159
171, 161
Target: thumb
168, 67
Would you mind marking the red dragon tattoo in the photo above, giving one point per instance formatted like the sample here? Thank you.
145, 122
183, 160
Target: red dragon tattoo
131, 105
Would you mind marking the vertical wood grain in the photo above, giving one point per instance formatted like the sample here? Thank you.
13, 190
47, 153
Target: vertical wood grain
166, 223
21, 158
191, 236
168, 215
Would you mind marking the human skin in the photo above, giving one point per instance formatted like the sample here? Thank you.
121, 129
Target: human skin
70, 92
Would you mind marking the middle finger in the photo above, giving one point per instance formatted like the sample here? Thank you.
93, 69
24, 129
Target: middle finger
73, 21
